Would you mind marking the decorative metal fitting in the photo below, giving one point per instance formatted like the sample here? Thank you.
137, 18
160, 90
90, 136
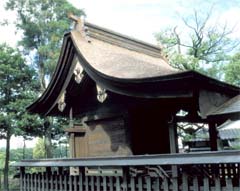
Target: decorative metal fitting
61, 102
101, 94
78, 72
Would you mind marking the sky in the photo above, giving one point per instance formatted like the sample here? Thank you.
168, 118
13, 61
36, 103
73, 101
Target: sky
140, 19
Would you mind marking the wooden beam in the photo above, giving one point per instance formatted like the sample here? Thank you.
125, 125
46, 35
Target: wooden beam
75, 130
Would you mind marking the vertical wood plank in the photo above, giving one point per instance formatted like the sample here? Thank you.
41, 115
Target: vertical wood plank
157, 184
118, 186
86, 183
125, 183
98, 183
140, 184
229, 184
22, 172
27, 182
56, 178
92, 183
184, 182
195, 184
217, 183
175, 183
42, 180
132, 183
35, 181
39, 182
47, 180
61, 182
165, 184
104, 183
70, 183
75, 183
51, 181
32, 183
148, 183
206, 184
111, 183
65, 182
80, 182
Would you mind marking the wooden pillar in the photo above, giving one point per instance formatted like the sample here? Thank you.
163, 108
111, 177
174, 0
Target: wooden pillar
173, 137
22, 175
173, 145
213, 136
71, 136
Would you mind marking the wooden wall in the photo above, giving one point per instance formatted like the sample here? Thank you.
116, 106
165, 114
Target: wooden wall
106, 137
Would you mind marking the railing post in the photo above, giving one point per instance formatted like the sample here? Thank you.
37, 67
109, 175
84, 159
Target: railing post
22, 174
213, 135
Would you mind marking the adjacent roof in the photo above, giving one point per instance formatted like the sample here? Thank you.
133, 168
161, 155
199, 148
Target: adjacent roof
231, 106
228, 134
119, 64
229, 130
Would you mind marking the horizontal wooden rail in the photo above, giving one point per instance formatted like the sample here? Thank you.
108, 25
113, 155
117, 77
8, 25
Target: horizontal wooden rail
219, 157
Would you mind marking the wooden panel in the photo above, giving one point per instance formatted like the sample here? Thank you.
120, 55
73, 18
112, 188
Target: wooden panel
81, 146
107, 138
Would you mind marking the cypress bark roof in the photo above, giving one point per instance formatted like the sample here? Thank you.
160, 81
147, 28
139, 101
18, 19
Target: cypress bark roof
232, 106
118, 64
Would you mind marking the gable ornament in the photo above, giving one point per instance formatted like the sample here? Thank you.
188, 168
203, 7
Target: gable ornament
61, 102
78, 72
101, 94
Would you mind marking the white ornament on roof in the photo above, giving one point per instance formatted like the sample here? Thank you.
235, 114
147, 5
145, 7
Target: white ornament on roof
61, 102
78, 72
101, 94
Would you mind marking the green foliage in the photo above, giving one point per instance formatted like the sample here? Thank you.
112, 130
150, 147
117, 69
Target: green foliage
39, 151
232, 70
43, 24
17, 89
199, 45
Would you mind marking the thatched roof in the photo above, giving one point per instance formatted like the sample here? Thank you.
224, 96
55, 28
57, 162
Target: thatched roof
113, 56
117, 64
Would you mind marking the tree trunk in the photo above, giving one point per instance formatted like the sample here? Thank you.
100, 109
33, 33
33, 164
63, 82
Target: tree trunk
48, 137
6, 167
48, 145
24, 148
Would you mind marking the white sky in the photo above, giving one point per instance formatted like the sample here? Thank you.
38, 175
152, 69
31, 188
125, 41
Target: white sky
137, 18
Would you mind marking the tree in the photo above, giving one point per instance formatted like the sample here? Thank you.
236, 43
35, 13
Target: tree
17, 89
202, 46
43, 24
39, 151
232, 70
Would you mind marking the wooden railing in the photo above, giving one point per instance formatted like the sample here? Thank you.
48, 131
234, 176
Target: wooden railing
207, 171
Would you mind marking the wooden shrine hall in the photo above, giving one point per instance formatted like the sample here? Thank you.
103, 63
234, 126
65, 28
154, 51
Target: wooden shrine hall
122, 98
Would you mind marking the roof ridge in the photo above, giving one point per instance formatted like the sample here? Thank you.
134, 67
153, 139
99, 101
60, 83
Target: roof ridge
122, 40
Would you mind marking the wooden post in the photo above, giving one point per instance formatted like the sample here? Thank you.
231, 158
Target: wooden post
173, 137
22, 174
173, 146
213, 136
72, 138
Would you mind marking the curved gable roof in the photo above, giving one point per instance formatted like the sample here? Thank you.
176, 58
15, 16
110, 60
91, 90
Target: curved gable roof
121, 65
